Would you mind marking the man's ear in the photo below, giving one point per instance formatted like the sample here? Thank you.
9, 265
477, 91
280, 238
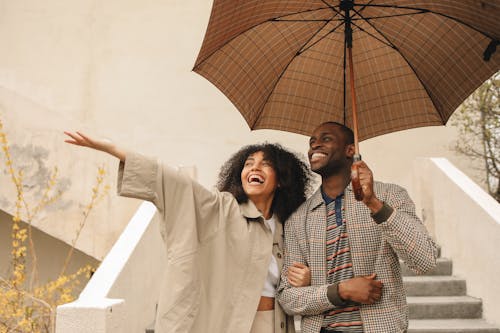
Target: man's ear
350, 150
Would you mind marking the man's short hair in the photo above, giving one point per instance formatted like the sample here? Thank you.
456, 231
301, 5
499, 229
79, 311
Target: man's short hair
348, 133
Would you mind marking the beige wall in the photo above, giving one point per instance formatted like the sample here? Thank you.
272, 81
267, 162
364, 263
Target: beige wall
51, 254
392, 156
122, 70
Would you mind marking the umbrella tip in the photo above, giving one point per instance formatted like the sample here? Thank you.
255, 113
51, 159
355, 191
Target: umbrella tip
490, 49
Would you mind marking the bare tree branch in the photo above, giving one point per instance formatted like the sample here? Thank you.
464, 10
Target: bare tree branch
478, 122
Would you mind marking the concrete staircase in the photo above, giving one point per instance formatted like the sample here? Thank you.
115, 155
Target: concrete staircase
438, 303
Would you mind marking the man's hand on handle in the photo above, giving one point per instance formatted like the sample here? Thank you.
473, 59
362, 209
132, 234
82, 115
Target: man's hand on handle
365, 176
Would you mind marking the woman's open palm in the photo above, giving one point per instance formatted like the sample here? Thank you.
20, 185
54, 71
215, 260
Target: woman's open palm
80, 139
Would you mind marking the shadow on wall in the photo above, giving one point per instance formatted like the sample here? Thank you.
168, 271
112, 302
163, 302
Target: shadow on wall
32, 160
51, 253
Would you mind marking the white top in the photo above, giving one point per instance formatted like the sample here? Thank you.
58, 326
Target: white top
273, 273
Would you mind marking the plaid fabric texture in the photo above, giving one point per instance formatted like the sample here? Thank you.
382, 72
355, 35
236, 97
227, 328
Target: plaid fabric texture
375, 248
281, 62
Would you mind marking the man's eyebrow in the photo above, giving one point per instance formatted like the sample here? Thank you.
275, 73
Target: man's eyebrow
320, 135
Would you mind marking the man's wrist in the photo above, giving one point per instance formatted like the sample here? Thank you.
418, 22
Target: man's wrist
334, 295
383, 213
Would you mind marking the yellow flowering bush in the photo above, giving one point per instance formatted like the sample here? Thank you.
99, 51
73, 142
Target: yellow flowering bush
25, 304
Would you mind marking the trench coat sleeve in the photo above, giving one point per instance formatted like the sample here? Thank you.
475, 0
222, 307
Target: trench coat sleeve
310, 300
406, 233
190, 213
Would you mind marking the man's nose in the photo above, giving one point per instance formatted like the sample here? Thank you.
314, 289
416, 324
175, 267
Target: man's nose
316, 144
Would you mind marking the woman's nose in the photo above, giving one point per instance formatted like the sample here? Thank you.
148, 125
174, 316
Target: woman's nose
256, 166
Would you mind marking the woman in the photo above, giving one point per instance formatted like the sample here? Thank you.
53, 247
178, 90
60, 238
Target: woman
224, 247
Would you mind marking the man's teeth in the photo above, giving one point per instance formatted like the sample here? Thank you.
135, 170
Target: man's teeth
317, 155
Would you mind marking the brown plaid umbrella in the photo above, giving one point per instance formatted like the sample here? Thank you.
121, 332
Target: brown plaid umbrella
285, 64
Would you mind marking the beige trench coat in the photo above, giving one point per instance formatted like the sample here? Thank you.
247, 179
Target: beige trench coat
218, 251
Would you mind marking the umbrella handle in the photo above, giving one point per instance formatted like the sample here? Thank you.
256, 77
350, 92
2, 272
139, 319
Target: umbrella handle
356, 185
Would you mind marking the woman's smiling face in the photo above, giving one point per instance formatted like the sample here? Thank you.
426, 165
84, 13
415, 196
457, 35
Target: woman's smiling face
259, 178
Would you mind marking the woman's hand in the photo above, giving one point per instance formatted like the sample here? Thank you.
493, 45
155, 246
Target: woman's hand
80, 139
299, 275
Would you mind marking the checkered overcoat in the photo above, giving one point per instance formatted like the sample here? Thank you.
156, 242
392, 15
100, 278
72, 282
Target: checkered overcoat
375, 248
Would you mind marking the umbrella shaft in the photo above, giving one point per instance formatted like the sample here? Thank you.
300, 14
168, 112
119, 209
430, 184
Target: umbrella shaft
354, 104
346, 6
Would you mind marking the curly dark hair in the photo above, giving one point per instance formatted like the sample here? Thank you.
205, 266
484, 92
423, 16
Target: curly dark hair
292, 174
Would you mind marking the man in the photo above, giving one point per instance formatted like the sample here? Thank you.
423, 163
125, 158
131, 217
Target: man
351, 247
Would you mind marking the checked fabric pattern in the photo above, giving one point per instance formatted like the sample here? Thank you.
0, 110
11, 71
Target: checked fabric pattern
282, 62
375, 248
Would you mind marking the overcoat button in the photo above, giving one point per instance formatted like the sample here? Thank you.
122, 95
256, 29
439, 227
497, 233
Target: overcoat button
279, 255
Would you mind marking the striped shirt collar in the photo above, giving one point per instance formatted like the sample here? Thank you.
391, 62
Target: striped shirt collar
317, 198
327, 199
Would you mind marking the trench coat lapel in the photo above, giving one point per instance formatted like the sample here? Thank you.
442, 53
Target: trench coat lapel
249, 210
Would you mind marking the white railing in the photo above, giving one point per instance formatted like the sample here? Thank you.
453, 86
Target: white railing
465, 222
122, 294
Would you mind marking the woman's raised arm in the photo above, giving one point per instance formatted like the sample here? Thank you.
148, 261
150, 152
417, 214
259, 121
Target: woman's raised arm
80, 139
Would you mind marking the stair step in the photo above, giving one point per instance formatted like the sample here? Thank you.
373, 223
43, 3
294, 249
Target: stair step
451, 326
444, 267
434, 285
441, 307
443, 326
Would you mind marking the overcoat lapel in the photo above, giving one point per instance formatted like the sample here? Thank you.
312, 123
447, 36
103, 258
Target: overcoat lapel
317, 239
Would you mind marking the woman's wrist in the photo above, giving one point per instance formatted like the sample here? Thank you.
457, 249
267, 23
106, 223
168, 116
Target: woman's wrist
117, 152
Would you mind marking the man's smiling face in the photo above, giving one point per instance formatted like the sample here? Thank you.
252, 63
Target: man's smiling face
328, 151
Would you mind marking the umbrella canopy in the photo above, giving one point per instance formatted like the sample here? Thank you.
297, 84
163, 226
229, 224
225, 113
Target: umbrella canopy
284, 64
